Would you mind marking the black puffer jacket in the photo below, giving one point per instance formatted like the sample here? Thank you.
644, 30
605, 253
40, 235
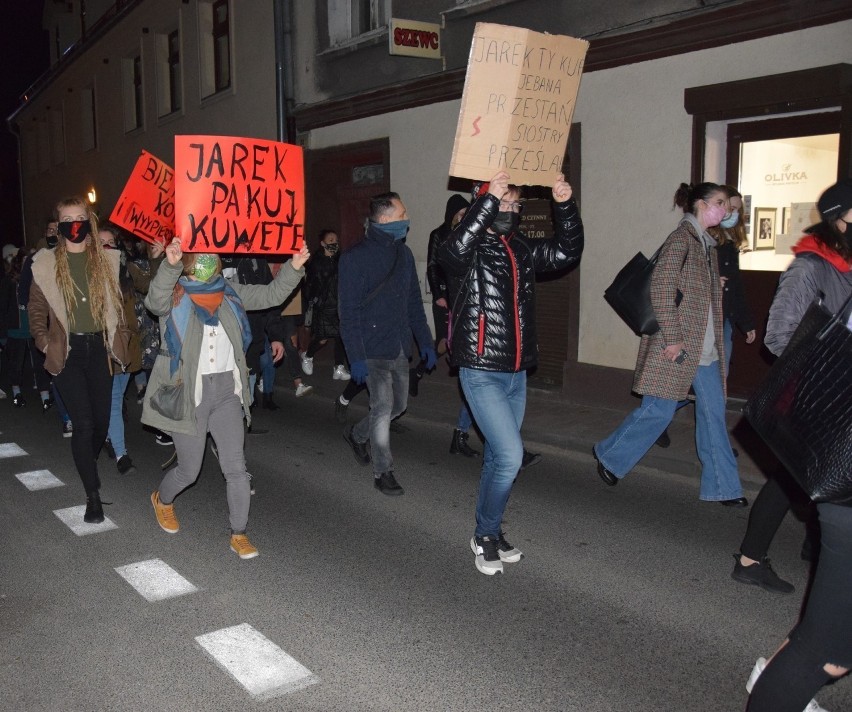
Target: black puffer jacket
492, 285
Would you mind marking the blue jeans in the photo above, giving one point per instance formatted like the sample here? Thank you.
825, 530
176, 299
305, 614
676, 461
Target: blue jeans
267, 369
720, 480
728, 335
387, 381
465, 420
497, 401
116, 416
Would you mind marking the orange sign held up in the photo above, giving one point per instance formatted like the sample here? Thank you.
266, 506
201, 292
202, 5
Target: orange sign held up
146, 206
239, 195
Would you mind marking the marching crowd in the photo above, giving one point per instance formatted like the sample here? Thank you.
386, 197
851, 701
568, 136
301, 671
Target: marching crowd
200, 334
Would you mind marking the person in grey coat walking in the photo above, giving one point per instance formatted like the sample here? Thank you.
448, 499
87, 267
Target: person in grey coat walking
199, 382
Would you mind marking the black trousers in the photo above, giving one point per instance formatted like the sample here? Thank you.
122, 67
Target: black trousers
824, 634
339, 352
17, 353
768, 511
86, 387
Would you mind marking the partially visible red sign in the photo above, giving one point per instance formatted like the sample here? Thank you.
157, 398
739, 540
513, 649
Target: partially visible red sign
146, 206
239, 195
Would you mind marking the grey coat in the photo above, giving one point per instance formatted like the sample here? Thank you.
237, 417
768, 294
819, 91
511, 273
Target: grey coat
159, 302
808, 277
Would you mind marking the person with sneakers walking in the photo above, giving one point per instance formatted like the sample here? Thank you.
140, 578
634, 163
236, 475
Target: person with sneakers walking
321, 284
687, 351
77, 321
380, 308
455, 210
491, 268
200, 381
821, 269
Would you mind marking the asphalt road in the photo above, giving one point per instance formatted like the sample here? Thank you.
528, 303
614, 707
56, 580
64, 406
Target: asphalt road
623, 601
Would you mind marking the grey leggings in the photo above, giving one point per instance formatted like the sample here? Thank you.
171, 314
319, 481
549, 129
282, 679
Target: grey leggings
221, 413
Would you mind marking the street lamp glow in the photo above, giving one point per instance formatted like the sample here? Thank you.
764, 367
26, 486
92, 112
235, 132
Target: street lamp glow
92, 196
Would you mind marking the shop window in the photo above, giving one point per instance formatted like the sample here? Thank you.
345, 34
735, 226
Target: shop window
350, 19
169, 75
215, 42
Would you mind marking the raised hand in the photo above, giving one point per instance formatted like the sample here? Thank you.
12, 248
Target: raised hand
562, 190
174, 251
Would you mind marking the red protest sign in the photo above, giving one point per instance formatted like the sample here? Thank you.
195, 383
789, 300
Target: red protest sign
239, 195
146, 206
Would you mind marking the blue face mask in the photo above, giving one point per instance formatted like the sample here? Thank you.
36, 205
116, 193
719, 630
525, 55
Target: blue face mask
730, 220
398, 229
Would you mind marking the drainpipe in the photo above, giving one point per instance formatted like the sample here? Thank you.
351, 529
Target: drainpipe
15, 130
285, 127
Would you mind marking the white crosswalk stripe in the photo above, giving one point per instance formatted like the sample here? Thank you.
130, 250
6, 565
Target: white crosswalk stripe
72, 517
11, 450
254, 661
39, 480
155, 580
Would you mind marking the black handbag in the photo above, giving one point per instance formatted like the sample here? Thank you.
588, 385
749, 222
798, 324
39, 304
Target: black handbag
168, 400
630, 294
803, 408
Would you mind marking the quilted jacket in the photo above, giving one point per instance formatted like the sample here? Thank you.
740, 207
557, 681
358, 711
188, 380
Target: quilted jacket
492, 285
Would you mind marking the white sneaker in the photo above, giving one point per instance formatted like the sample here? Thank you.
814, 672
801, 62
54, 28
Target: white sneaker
487, 559
340, 373
307, 363
759, 666
303, 390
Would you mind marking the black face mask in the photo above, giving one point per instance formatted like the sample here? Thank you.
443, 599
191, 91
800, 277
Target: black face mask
76, 231
506, 223
332, 247
51, 240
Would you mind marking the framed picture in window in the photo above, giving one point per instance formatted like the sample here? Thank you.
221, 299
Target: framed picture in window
764, 228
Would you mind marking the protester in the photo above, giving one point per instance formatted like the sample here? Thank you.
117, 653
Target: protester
819, 648
688, 350
492, 266
115, 443
821, 269
76, 316
380, 309
322, 301
202, 315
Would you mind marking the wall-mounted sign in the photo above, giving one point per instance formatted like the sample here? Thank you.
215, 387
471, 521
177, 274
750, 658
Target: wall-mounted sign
414, 39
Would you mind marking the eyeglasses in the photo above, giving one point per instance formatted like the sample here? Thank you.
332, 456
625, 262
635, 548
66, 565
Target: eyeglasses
514, 207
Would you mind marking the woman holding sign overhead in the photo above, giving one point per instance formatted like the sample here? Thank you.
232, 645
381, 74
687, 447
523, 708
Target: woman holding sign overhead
199, 383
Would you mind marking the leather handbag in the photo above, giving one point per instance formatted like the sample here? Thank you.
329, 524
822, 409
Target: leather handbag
803, 408
630, 294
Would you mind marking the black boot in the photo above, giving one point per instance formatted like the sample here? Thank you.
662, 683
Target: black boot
268, 403
459, 445
94, 509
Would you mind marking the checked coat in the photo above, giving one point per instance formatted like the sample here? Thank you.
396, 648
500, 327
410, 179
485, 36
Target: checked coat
698, 281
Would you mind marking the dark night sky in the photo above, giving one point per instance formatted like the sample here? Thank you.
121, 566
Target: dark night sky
24, 56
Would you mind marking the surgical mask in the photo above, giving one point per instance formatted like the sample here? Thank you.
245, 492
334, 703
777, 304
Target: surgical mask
506, 223
331, 247
205, 267
713, 215
398, 228
730, 220
76, 231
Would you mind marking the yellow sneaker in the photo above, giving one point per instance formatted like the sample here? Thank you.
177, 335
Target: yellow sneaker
242, 547
165, 514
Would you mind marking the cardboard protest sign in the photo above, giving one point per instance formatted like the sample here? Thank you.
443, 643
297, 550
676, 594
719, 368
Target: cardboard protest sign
146, 206
239, 195
519, 96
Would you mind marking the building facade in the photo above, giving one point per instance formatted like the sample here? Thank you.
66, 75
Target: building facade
752, 92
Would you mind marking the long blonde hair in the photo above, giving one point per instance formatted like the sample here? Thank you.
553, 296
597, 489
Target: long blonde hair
104, 291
